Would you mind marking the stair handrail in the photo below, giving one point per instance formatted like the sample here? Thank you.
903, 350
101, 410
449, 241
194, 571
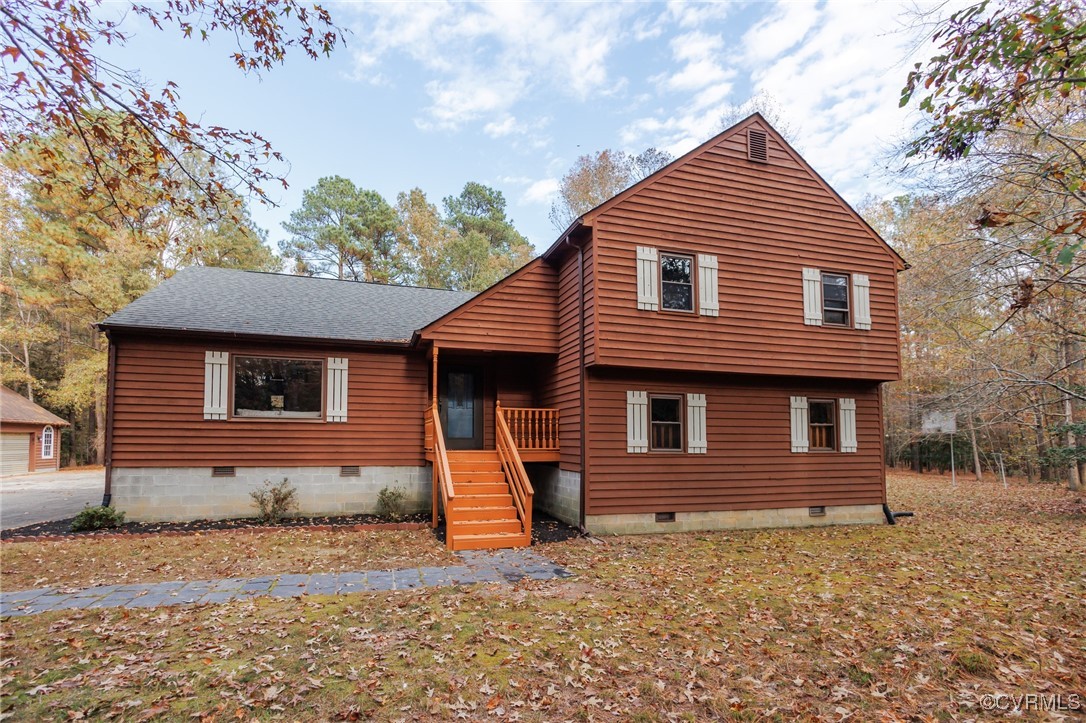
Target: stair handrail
519, 484
442, 476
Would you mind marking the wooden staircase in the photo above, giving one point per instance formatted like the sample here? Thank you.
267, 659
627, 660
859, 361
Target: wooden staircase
484, 516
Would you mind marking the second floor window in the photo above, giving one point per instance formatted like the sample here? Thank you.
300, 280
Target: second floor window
835, 299
676, 282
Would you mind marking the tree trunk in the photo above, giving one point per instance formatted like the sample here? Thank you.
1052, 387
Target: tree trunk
29, 375
1071, 362
976, 452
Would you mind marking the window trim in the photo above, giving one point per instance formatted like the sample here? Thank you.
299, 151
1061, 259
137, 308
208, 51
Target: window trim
52, 442
833, 424
693, 259
681, 399
847, 324
320, 418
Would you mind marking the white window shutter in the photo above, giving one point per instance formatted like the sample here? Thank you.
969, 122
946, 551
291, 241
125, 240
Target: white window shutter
848, 424
707, 285
648, 287
861, 295
696, 442
337, 390
800, 441
216, 384
812, 297
637, 422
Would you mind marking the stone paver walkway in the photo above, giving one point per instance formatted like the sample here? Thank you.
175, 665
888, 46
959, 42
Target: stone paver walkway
502, 566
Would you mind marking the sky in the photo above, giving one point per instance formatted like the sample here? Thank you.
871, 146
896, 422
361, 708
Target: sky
436, 94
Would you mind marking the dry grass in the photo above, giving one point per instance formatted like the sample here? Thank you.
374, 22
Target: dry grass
87, 562
981, 593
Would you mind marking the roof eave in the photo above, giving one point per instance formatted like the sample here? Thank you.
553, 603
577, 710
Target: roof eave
241, 336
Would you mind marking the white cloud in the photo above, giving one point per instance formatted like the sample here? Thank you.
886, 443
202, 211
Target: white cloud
485, 59
780, 31
843, 81
541, 192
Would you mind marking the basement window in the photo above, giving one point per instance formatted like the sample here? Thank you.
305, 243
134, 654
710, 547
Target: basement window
277, 388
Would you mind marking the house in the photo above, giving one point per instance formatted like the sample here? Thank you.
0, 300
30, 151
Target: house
704, 350
29, 435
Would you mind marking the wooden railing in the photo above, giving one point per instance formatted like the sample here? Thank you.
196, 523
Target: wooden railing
532, 428
443, 483
519, 484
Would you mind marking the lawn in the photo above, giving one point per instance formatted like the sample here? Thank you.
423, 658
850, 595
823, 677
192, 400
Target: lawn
83, 562
982, 593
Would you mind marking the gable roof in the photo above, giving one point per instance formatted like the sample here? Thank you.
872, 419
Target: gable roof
17, 409
587, 218
249, 303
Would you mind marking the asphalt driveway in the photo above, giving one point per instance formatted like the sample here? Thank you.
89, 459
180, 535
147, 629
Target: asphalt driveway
33, 498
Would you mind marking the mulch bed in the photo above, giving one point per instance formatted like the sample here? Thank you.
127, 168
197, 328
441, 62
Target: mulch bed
544, 529
62, 529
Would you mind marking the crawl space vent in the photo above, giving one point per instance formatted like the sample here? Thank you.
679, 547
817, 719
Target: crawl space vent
222, 471
756, 146
350, 471
665, 516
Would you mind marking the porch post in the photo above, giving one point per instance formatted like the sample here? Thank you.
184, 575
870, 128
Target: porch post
433, 466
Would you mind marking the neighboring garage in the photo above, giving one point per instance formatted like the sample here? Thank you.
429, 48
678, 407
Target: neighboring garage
29, 435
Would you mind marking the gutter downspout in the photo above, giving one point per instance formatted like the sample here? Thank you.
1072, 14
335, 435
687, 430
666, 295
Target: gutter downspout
583, 399
111, 391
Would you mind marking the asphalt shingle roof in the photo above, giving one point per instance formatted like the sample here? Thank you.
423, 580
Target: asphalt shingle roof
15, 408
227, 301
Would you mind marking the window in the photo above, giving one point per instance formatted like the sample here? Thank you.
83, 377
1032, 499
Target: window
823, 415
667, 425
47, 443
283, 388
677, 282
835, 299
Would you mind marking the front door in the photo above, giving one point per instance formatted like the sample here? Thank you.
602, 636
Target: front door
461, 404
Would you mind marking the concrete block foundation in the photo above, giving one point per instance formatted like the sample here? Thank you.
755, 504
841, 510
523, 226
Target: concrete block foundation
168, 494
557, 492
639, 524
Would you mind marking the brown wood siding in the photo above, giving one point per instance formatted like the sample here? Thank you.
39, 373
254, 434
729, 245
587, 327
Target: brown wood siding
749, 464
561, 376
517, 315
158, 414
764, 222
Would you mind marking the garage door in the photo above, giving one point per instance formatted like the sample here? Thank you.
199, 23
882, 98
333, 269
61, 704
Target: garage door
14, 453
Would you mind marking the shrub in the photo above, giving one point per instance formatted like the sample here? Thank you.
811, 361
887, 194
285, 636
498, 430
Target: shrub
97, 518
390, 503
274, 501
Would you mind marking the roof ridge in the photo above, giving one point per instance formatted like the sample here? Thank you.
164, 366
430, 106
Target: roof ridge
322, 278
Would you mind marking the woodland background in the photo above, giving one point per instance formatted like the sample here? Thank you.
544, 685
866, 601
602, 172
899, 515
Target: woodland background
107, 188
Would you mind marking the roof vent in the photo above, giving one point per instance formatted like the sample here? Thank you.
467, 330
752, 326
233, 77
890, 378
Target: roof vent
756, 145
